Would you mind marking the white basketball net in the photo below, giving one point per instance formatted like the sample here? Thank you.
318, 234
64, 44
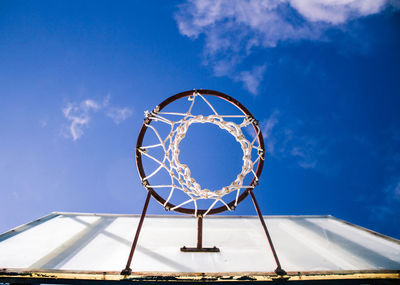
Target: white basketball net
180, 173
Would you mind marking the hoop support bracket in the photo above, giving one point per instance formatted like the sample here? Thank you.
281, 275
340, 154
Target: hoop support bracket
200, 247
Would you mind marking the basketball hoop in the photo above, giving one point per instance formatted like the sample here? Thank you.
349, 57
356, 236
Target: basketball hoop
179, 173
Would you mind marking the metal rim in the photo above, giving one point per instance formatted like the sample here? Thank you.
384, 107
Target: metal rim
200, 212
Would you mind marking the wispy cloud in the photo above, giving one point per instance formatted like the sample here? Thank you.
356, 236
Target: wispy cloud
286, 140
305, 154
118, 114
43, 123
386, 204
267, 127
80, 115
234, 29
251, 79
396, 191
389, 207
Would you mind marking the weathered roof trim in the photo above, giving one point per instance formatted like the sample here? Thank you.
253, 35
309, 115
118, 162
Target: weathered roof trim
65, 276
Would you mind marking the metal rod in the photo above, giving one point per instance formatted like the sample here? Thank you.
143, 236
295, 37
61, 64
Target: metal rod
199, 247
278, 269
199, 232
128, 270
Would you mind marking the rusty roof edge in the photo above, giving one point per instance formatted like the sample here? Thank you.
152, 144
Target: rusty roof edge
49, 275
43, 270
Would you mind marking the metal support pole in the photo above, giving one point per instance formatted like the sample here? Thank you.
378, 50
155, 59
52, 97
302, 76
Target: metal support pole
199, 247
199, 232
278, 269
128, 270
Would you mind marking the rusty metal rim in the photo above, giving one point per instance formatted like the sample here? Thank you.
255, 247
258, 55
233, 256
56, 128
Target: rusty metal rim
200, 212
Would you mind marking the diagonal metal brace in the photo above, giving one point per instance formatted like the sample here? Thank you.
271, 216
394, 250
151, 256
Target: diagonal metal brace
128, 270
278, 269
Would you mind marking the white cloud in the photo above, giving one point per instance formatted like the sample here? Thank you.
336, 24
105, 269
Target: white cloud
396, 191
88, 105
269, 124
386, 203
285, 140
252, 79
81, 114
336, 11
305, 155
389, 206
267, 127
232, 29
106, 100
118, 114
43, 123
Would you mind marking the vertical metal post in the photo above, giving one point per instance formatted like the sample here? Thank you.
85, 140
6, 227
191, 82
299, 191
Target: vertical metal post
199, 247
199, 232
128, 270
278, 269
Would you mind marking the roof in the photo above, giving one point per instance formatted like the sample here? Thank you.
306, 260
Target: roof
69, 245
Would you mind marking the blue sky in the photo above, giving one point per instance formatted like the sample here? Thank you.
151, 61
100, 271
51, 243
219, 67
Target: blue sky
322, 77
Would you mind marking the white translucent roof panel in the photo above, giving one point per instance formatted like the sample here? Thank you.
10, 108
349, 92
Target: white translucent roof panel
100, 242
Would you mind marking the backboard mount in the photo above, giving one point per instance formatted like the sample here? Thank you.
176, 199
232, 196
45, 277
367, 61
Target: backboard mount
163, 152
